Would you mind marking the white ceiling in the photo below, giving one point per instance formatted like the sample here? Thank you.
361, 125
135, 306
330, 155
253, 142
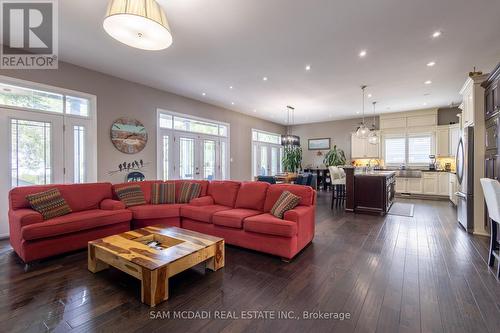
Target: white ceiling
222, 43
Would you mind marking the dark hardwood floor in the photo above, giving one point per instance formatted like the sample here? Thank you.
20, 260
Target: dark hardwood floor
420, 274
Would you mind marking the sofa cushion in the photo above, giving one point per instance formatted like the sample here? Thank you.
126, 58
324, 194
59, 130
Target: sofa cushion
251, 195
285, 202
144, 185
75, 222
271, 225
202, 213
155, 211
131, 195
49, 203
306, 193
162, 193
188, 192
224, 192
233, 218
78, 196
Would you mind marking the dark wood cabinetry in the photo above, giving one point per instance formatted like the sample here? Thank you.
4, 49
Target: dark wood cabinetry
491, 94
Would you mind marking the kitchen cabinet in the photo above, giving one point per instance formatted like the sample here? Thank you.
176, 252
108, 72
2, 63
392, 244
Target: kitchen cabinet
443, 183
454, 132
414, 185
361, 148
400, 186
452, 188
492, 134
491, 94
430, 183
443, 141
472, 99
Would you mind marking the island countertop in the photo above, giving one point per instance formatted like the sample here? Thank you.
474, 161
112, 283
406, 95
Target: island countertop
375, 173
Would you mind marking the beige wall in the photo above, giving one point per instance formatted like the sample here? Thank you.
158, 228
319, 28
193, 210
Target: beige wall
117, 98
338, 130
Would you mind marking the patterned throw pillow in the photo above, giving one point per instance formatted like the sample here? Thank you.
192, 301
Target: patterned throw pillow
163, 193
131, 195
189, 191
49, 203
285, 202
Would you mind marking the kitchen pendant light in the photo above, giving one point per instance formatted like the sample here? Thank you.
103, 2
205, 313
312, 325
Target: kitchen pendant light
362, 131
372, 136
138, 23
289, 139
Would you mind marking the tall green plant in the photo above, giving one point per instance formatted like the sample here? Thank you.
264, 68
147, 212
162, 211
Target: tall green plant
292, 158
335, 157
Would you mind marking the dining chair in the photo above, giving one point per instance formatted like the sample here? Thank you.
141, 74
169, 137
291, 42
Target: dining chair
337, 176
267, 179
491, 190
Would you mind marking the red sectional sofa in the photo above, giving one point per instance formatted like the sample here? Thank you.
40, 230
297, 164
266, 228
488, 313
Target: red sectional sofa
239, 212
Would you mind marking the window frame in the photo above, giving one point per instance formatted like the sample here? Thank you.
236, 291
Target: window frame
256, 145
407, 136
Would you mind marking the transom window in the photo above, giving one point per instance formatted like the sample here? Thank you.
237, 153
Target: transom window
267, 137
168, 121
35, 99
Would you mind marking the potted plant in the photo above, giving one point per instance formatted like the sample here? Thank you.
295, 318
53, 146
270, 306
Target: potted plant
335, 157
292, 158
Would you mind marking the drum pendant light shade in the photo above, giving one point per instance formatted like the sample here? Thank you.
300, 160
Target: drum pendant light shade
138, 23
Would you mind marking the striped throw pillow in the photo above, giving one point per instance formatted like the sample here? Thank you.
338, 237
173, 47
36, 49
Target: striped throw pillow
49, 203
163, 193
285, 202
131, 195
189, 191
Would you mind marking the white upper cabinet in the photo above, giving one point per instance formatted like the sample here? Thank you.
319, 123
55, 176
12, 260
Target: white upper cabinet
454, 138
472, 99
361, 148
443, 141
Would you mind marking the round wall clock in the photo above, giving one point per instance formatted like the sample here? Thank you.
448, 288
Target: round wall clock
128, 135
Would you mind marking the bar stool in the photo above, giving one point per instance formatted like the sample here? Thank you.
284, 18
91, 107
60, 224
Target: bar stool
337, 176
491, 190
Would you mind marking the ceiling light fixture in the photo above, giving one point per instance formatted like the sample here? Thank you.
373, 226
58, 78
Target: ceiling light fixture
308, 67
373, 136
362, 130
428, 82
204, 94
362, 53
436, 34
430, 64
264, 78
369, 95
230, 87
289, 140
232, 103
138, 23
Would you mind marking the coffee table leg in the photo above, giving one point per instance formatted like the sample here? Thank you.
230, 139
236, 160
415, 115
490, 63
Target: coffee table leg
154, 286
217, 261
94, 264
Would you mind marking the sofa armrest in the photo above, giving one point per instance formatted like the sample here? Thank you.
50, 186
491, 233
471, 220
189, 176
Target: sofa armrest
304, 216
23, 217
202, 201
110, 204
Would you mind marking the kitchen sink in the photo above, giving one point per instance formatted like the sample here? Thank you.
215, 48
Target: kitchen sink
409, 173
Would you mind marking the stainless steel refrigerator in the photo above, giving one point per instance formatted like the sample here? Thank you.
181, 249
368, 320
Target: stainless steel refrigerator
465, 179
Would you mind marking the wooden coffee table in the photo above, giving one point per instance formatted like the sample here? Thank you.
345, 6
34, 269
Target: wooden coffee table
176, 250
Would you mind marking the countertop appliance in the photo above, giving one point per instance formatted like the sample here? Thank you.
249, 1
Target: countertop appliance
432, 164
465, 179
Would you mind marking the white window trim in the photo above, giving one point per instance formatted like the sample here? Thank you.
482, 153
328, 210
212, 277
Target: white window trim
406, 136
252, 142
92, 117
159, 111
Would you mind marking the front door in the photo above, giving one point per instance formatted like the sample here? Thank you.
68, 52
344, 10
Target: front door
196, 157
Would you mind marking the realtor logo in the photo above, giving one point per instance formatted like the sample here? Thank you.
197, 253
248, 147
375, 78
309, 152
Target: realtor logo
29, 34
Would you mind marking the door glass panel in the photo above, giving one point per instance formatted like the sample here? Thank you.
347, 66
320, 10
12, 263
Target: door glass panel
263, 161
30, 152
186, 161
165, 157
223, 159
208, 159
274, 161
79, 154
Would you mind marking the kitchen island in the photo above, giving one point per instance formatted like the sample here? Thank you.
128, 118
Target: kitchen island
369, 192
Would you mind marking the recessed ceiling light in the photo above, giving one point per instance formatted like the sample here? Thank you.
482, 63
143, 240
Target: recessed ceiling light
424, 104
232, 103
428, 82
362, 53
254, 110
230, 87
264, 78
204, 94
436, 34
357, 112
369, 95
431, 63
308, 67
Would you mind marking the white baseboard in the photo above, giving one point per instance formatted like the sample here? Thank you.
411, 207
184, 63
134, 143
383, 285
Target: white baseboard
4, 236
